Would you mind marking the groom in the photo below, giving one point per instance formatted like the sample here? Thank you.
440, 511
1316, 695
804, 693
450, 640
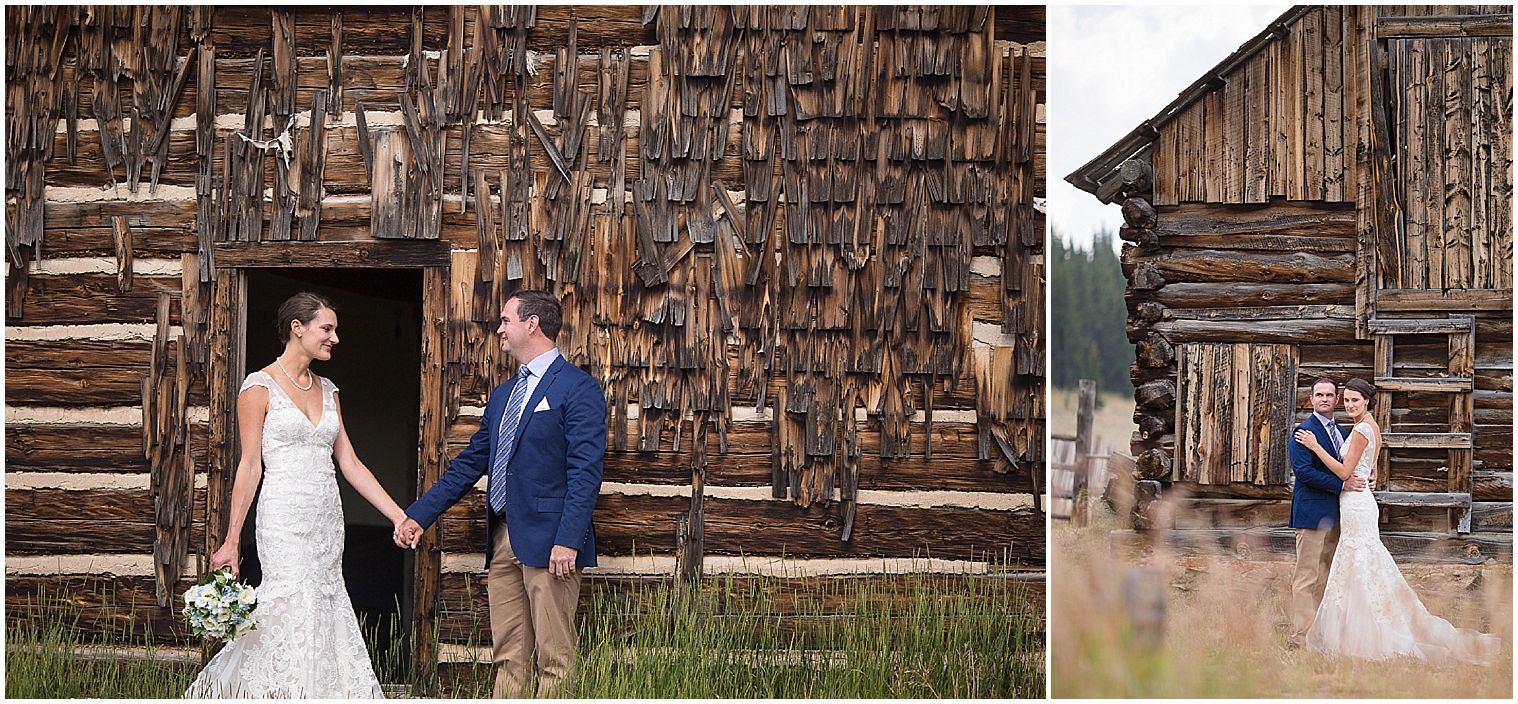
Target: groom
542, 440
1315, 508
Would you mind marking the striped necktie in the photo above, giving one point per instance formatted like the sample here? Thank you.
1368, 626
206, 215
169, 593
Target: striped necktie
1336, 437
511, 419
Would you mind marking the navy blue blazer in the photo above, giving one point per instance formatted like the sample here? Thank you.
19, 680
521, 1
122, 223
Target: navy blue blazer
554, 476
1315, 494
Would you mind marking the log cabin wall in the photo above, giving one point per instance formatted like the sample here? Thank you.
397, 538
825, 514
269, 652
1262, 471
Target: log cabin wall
1279, 215
798, 246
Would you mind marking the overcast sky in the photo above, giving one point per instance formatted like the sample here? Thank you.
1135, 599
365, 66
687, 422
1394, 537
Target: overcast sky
1111, 68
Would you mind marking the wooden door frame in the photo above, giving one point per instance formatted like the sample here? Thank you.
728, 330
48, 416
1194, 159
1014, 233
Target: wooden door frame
228, 333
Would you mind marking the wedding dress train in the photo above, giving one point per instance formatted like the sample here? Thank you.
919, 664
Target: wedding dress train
1368, 609
307, 642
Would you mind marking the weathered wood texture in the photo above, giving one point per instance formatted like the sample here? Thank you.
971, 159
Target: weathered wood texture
1453, 117
824, 213
1233, 406
625, 525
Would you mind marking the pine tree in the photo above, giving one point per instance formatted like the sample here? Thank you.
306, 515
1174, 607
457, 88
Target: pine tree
1087, 316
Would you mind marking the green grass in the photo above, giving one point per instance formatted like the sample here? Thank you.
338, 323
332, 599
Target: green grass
46, 656
907, 636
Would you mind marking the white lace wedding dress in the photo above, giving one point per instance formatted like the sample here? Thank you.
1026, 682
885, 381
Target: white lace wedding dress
306, 643
1368, 609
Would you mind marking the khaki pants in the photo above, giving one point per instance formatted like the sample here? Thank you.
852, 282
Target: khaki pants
1315, 553
532, 623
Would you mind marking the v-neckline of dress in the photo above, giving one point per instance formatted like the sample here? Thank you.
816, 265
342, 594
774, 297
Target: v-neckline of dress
314, 424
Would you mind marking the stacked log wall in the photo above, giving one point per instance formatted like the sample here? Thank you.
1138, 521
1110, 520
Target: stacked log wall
944, 448
1251, 216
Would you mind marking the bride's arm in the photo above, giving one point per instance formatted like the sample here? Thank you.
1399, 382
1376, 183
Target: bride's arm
359, 476
1343, 469
252, 404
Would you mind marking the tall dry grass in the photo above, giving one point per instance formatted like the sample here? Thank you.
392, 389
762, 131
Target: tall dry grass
1156, 624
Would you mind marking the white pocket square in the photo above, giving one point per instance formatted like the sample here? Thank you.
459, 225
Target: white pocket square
542, 405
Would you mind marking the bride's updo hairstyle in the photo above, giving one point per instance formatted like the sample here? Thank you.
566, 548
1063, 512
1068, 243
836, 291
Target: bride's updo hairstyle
302, 306
1365, 389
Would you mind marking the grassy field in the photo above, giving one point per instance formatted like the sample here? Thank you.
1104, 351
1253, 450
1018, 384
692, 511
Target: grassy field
928, 636
1161, 626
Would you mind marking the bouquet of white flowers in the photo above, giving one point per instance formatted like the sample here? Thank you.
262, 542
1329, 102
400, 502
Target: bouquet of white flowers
220, 606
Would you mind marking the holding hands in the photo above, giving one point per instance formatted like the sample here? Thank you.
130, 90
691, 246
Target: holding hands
407, 533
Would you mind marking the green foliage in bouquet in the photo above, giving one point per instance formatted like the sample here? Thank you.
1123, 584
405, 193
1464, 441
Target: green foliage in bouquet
219, 606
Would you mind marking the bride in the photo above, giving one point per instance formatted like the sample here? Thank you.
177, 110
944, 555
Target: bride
307, 642
1368, 610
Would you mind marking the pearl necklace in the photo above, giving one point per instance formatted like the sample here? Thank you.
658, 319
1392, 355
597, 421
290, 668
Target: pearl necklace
311, 378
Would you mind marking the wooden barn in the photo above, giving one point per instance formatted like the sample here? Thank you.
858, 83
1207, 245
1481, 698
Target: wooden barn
1333, 199
798, 246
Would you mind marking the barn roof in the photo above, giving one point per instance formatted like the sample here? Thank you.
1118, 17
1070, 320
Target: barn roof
1089, 177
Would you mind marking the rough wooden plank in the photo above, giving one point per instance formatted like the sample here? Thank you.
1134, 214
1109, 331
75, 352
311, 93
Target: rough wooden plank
1432, 441
1310, 28
1425, 499
1333, 105
83, 447
105, 604
370, 254
80, 299
1420, 326
1456, 165
1500, 208
430, 463
1479, 112
1484, 25
1256, 128
644, 523
1434, 385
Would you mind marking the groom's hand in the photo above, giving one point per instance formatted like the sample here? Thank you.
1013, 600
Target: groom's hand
407, 533
561, 561
1354, 483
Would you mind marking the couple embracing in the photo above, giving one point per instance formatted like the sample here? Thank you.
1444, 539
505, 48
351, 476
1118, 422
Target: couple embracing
1348, 597
542, 442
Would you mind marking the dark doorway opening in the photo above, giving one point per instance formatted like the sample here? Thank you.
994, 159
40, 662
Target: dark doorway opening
376, 366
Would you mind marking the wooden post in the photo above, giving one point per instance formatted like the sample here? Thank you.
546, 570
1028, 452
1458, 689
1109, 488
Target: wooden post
1084, 419
432, 457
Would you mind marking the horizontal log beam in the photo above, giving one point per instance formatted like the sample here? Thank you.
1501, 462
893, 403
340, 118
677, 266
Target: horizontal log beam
1497, 25
1233, 266
82, 299
1435, 441
625, 524
24, 536
120, 386
104, 604
1326, 221
1422, 326
1453, 384
86, 448
370, 255
1271, 331
1211, 295
129, 505
1452, 300
1432, 500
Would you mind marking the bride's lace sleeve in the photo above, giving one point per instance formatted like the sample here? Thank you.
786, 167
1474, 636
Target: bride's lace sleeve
255, 379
